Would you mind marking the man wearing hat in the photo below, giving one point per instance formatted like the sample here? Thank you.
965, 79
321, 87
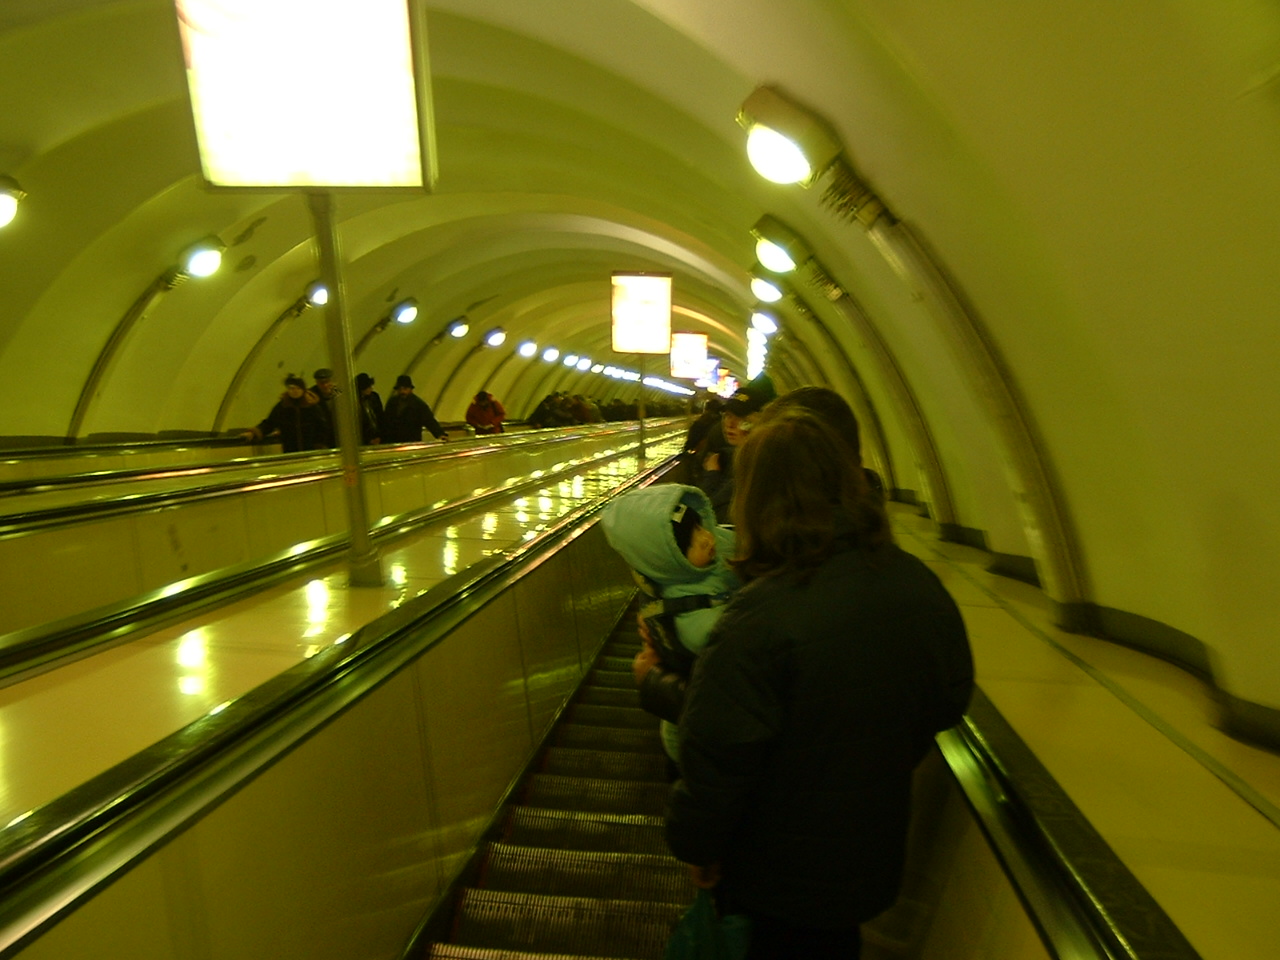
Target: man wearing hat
371, 411
324, 389
407, 414
714, 476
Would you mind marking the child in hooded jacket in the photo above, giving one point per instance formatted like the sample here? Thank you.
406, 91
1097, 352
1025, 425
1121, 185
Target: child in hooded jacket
668, 533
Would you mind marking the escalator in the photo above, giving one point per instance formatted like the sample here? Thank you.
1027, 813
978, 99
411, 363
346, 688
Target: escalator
578, 865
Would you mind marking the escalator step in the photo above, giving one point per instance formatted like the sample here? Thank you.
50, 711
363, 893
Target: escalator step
610, 696
604, 764
599, 715
589, 737
600, 677
570, 830
619, 663
453, 951
577, 873
599, 796
573, 925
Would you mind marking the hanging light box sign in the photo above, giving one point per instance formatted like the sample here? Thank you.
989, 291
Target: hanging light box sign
298, 94
710, 376
642, 312
688, 355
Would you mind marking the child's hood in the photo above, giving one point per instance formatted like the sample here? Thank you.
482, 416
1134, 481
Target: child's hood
638, 525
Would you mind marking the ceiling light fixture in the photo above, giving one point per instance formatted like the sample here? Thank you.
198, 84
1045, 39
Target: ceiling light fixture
785, 142
10, 196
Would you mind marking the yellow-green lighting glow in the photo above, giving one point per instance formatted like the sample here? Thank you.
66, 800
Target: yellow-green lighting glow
774, 257
298, 93
764, 290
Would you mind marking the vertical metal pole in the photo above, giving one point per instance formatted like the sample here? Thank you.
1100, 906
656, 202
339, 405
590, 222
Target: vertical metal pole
364, 563
640, 412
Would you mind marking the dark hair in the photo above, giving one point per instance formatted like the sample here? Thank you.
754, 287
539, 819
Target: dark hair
828, 405
689, 521
799, 493
293, 380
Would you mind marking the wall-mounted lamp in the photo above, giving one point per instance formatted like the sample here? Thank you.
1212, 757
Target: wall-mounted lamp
527, 349
495, 337
778, 247
765, 288
317, 294
406, 311
10, 196
201, 259
785, 142
571, 360
551, 354
583, 364
459, 328
766, 323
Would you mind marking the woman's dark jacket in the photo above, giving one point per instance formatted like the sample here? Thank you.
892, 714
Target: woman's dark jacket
299, 423
371, 414
805, 717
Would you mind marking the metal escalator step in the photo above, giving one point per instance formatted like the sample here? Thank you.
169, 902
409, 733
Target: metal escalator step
577, 873
600, 796
604, 764
610, 696
602, 677
590, 737
572, 830
619, 663
573, 925
454, 951
602, 715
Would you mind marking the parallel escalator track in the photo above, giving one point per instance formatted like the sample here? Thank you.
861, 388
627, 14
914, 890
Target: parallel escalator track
580, 868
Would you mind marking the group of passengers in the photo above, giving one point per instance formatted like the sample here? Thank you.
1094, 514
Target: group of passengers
823, 662
305, 418
560, 409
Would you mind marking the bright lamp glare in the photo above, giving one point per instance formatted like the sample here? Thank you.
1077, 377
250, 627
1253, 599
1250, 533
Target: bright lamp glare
551, 354
571, 360
317, 294
764, 290
258, 104
406, 312
583, 364
496, 338
527, 349
459, 329
598, 368
774, 257
764, 323
202, 261
8, 208
775, 157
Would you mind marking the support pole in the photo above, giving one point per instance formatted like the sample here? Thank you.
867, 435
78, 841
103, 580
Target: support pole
364, 563
640, 412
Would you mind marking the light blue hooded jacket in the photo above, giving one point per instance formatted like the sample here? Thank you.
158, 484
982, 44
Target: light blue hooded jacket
638, 525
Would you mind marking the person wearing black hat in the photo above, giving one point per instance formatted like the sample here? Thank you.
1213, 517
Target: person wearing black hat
324, 389
486, 414
407, 414
714, 475
295, 417
370, 410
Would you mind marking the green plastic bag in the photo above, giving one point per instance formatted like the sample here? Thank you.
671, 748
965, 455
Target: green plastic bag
701, 934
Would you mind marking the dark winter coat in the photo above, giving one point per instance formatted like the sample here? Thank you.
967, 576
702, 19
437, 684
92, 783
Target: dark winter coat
299, 423
371, 417
806, 715
405, 417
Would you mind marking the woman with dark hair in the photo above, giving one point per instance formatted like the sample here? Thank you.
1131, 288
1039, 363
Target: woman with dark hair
820, 690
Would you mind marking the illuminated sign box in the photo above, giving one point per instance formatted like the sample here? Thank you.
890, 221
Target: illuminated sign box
309, 93
642, 312
688, 355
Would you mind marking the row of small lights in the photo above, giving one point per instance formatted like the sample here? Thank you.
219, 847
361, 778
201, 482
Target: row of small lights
529, 349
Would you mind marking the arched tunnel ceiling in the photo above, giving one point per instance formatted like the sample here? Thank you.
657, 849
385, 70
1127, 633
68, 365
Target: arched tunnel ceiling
1094, 183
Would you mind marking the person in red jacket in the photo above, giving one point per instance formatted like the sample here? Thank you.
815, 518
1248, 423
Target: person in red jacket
486, 414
